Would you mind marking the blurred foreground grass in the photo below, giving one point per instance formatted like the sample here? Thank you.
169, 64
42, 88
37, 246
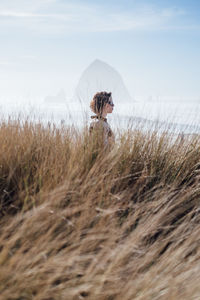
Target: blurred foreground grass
81, 223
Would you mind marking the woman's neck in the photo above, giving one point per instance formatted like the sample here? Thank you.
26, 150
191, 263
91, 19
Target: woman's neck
104, 114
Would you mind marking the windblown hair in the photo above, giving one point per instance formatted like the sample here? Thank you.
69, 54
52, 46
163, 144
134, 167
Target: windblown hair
98, 101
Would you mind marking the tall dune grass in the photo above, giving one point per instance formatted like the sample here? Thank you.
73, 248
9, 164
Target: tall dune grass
78, 222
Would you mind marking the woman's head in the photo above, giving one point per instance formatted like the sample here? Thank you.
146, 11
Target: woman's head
102, 103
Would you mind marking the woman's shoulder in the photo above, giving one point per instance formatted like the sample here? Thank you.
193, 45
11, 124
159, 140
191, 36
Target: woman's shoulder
100, 124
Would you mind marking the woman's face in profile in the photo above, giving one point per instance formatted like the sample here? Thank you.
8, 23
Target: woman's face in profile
109, 106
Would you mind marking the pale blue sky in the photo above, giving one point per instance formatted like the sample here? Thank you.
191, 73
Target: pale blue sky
46, 44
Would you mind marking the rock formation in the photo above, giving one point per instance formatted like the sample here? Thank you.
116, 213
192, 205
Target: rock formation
97, 77
59, 98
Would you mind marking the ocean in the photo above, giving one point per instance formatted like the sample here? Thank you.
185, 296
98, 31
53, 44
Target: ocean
177, 116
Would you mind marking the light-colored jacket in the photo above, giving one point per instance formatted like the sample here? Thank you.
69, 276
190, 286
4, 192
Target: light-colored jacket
101, 125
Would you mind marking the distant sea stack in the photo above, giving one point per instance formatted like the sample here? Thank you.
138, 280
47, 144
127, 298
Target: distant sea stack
59, 98
97, 77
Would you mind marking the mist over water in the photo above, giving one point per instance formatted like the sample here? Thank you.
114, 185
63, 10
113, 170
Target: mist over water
184, 116
164, 113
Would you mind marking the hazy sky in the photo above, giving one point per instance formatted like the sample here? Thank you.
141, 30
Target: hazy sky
46, 44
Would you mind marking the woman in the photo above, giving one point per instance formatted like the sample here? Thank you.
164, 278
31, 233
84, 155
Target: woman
102, 104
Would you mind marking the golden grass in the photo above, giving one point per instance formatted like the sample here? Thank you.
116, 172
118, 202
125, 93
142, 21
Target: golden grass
80, 223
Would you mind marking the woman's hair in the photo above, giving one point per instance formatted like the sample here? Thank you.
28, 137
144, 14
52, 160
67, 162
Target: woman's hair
98, 101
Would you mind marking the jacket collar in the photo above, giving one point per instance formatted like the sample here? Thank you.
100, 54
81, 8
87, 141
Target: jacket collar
99, 118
